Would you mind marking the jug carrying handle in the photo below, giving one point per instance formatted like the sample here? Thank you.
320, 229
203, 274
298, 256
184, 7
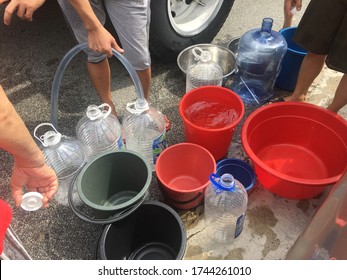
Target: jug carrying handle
65, 61
41, 137
217, 186
133, 108
105, 113
196, 55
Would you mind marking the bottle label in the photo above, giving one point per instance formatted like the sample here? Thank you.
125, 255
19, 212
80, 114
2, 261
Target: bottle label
159, 145
120, 143
239, 225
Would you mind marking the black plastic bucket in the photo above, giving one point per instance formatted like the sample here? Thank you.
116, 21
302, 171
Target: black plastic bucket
153, 232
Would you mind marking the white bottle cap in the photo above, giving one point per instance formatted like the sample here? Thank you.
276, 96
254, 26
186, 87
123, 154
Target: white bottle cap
32, 201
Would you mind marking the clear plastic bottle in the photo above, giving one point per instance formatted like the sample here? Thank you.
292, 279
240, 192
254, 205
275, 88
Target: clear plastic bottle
99, 131
325, 237
258, 63
65, 155
225, 207
144, 130
204, 72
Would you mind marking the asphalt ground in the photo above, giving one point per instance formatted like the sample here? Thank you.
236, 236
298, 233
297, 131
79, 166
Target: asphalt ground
29, 56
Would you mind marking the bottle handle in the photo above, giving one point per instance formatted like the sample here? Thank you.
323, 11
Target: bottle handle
196, 55
104, 113
219, 187
108, 112
42, 136
134, 109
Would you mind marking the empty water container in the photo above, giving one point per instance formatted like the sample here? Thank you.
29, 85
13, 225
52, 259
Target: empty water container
65, 155
144, 130
99, 131
258, 63
204, 72
225, 205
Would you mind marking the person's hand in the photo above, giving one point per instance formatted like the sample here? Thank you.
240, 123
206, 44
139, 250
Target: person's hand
25, 9
289, 5
100, 40
40, 179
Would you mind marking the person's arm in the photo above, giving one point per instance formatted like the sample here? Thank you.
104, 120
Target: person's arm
99, 39
29, 168
25, 9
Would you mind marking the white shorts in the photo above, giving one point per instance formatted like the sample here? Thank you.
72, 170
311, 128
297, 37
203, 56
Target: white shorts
130, 18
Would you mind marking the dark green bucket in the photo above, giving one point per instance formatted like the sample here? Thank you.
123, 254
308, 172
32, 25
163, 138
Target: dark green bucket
114, 182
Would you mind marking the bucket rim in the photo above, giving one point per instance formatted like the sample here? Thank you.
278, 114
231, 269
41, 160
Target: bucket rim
123, 205
204, 45
168, 208
273, 172
243, 164
225, 91
183, 191
290, 49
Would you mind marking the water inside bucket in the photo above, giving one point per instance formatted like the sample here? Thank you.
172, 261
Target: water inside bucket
119, 198
294, 160
211, 114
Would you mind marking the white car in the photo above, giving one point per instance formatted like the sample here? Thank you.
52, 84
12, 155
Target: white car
177, 24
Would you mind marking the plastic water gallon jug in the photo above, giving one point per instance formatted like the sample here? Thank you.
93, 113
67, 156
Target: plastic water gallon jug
258, 63
99, 131
204, 72
143, 126
225, 207
65, 155
144, 130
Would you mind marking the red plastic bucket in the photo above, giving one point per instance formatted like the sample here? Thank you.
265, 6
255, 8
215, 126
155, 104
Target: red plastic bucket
183, 172
210, 115
298, 149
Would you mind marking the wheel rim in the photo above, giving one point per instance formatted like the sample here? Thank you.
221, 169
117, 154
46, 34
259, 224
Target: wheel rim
190, 17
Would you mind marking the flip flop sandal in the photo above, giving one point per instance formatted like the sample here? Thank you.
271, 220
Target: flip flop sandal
277, 99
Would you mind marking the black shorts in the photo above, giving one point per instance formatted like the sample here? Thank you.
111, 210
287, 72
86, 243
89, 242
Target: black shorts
323, 30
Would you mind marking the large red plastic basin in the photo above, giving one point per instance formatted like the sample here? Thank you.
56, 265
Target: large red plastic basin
298, 149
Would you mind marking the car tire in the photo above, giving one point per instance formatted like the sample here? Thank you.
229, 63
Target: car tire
177, 24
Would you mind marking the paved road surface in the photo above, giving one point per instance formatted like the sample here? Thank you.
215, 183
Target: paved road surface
29, 56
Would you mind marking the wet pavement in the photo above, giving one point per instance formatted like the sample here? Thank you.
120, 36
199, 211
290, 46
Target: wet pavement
29, 55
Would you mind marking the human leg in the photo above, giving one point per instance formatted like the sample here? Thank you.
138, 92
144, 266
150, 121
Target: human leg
131, 20
97, 65
145, 78
340, 97
100, 76
310, 68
